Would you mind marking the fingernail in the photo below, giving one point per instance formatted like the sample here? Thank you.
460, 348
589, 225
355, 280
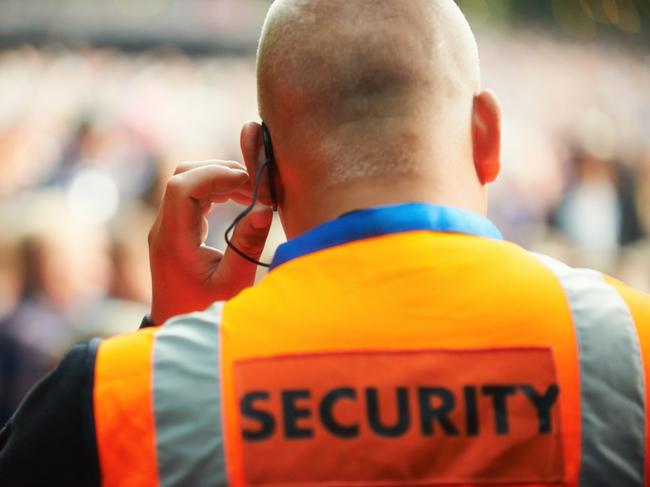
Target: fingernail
241, 174
238, 171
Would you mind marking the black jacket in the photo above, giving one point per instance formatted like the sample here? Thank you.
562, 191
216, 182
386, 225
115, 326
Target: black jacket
50, 440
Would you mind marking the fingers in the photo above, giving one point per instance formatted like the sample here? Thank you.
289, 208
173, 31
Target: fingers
189, 165
187, 275
249, 237
241, 196
186, 194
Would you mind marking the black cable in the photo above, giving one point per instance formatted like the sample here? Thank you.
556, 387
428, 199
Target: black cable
249, 208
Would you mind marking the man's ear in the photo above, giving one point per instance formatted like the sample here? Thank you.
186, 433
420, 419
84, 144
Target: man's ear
486, 136
252, 148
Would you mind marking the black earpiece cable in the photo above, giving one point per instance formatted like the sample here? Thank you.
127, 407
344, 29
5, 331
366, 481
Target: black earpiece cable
268, 163
243, 214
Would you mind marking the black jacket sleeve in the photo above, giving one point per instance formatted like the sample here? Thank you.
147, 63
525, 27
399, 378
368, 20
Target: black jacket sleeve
50, 440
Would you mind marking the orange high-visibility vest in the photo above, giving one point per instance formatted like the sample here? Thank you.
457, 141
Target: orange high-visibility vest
405, 345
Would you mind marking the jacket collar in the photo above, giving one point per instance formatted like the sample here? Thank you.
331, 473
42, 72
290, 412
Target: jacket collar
385, 220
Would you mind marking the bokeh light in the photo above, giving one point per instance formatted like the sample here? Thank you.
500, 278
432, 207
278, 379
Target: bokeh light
93, 197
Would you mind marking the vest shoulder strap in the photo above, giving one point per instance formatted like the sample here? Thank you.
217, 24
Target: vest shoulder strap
157, 404
612, 378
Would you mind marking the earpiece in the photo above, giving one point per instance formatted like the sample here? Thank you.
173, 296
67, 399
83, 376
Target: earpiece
270, 164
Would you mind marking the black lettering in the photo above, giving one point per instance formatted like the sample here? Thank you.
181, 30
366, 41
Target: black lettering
429, 415
471, 410
543, 404
499, 399
403, 416
292, 413
266, 420
327, 413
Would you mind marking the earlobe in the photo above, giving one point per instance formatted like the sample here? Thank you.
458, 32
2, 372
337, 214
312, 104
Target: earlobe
486, 136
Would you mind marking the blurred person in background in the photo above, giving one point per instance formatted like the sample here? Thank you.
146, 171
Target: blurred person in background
130, 270
72, 281
10, 351
599, 212
64, 273
394, 323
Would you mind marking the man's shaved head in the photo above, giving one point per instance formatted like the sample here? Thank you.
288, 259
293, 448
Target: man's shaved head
339, 77
372, 102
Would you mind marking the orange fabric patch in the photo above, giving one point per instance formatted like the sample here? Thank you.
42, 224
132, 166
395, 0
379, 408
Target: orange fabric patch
412, 417
417, 290
124, 417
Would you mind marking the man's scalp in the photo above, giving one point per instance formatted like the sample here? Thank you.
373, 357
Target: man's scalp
326, 64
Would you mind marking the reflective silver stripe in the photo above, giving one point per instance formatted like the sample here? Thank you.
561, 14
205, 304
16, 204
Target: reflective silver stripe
612, 390
187, 402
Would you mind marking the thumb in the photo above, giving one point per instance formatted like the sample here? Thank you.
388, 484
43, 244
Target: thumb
249, 237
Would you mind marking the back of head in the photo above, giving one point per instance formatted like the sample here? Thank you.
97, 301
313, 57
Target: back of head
367, 88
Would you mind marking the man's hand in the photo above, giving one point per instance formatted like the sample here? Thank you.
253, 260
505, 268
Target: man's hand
188, 275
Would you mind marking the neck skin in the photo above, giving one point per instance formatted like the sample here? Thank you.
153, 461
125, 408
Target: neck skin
316, 208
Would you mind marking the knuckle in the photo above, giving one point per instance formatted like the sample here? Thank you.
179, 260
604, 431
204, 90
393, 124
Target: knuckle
153, 239
174, 185
183, 167
151, 236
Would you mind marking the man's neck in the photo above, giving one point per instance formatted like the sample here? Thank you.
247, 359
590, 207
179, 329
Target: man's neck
328, 204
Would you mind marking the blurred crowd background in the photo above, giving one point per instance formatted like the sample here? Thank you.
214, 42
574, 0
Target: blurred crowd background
99, 100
